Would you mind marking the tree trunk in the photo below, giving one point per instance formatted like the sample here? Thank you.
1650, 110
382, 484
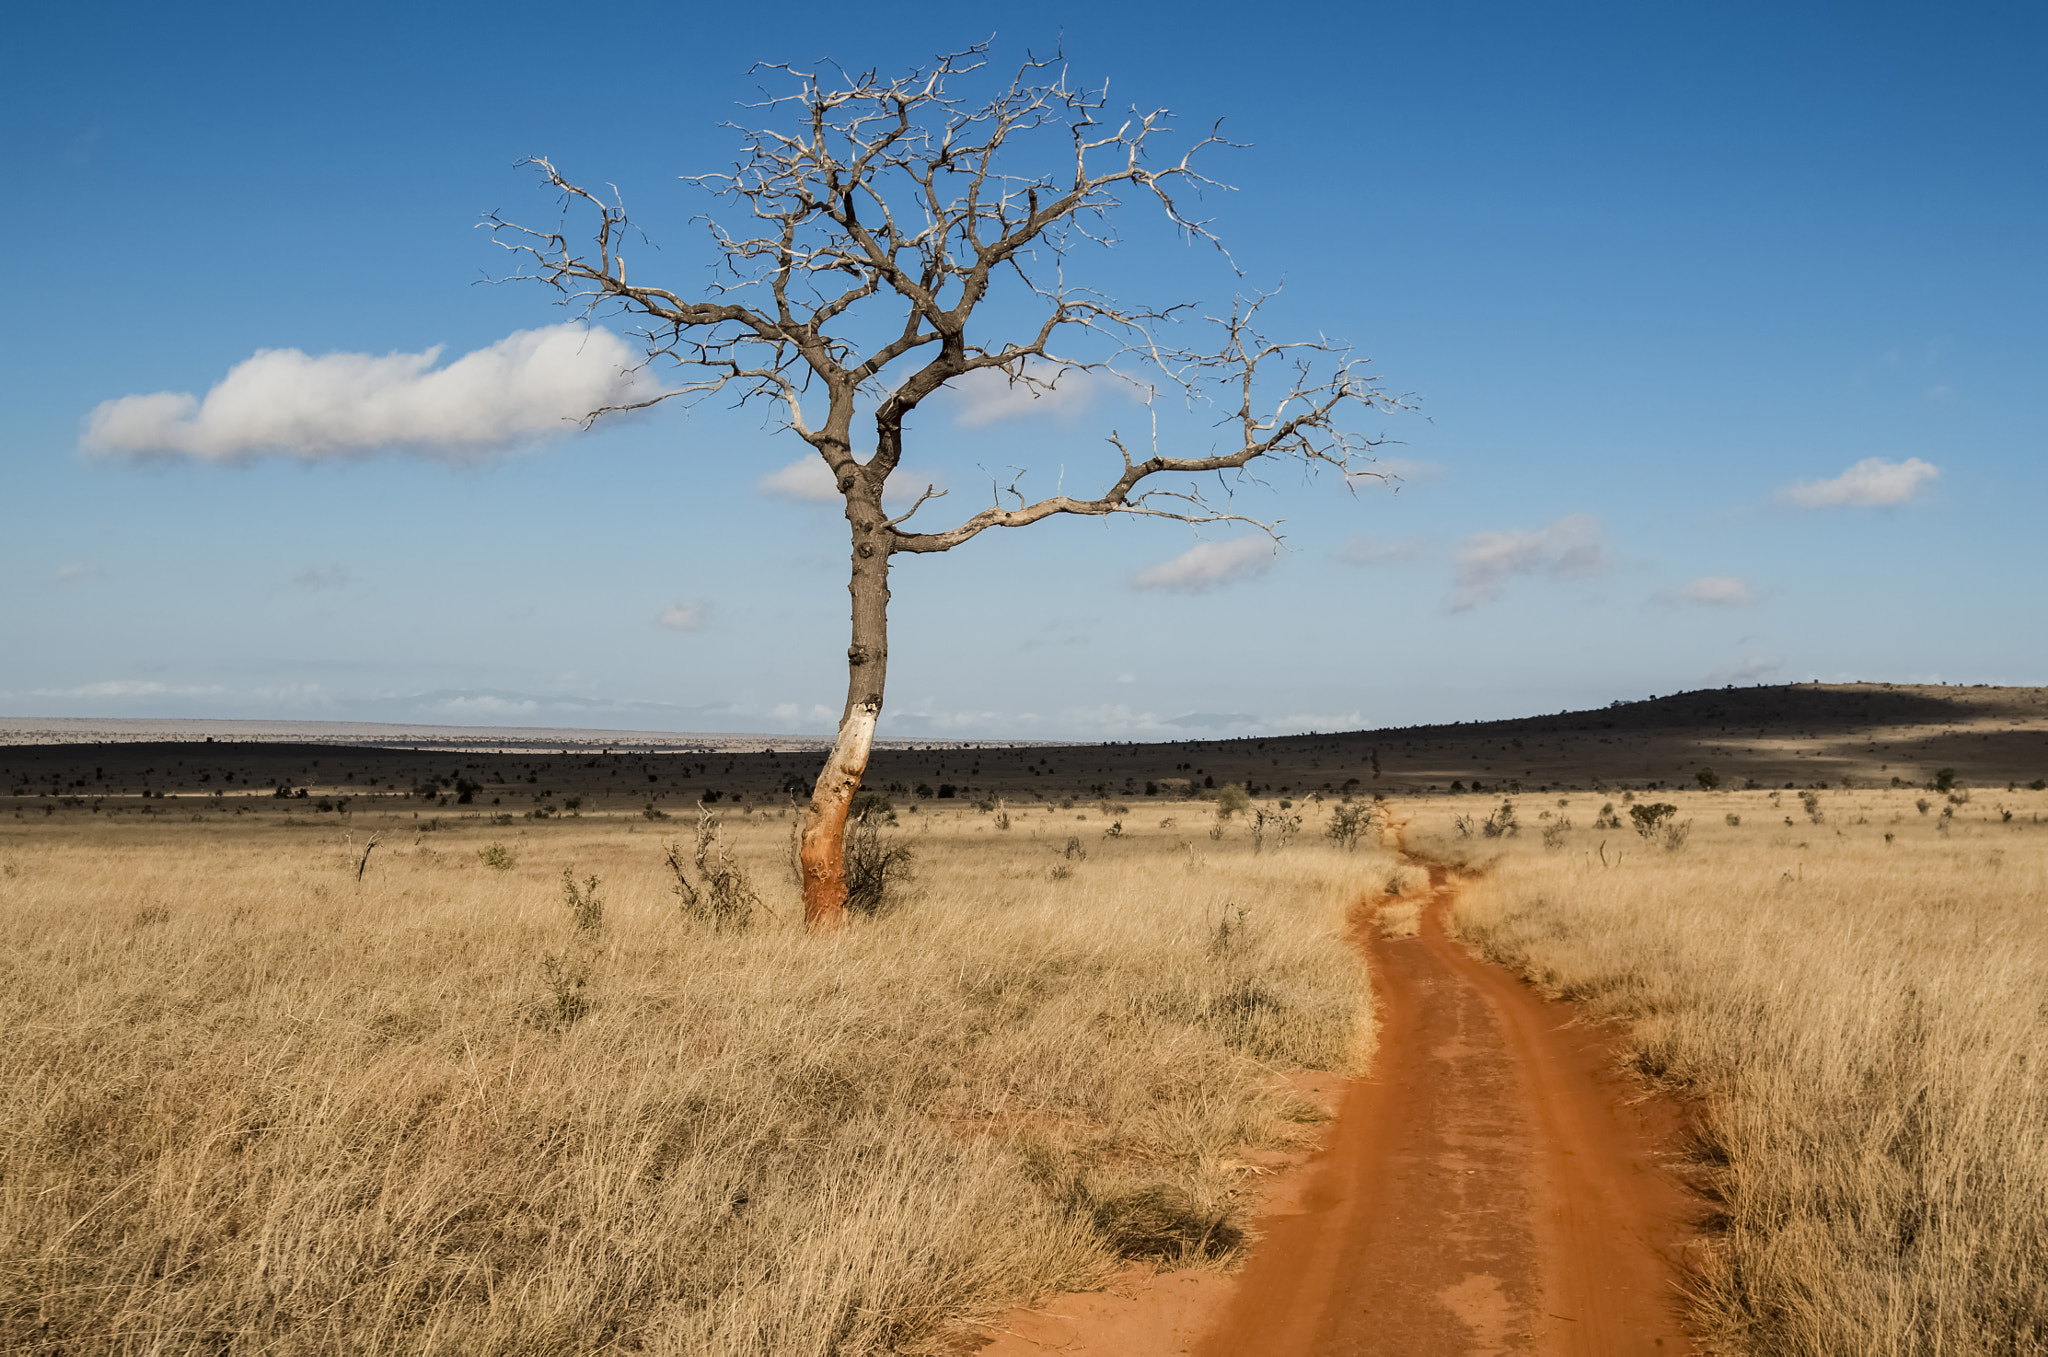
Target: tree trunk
822, 854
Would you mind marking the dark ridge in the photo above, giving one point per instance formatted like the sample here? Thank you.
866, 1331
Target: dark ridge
1797, 735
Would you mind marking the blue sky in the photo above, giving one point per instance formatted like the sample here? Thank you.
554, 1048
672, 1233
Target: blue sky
1650, 270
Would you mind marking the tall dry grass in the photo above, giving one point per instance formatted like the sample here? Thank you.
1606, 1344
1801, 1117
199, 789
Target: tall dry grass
1861, 1003
248, 1103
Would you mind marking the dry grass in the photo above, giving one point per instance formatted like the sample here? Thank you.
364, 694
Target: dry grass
1859, 1003
250, 1103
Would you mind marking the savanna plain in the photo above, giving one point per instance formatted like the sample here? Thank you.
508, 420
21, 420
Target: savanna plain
580, 1083
508, 1089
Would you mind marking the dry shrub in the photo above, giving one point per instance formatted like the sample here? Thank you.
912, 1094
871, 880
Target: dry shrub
877, 869
723, 895
1401, 920
1861, 1011
431, 1115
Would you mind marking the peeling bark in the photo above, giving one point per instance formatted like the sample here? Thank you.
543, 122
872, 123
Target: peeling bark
822, 853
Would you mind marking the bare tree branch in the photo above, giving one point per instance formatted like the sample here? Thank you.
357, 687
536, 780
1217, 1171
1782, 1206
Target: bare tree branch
859, 232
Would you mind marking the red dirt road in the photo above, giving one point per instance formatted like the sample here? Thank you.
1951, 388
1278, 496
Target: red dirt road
1492, 1186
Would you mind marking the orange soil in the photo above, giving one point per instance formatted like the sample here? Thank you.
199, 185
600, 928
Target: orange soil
1493, 1186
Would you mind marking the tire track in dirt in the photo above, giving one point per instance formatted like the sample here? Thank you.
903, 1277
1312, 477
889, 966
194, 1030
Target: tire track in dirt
1492, 1186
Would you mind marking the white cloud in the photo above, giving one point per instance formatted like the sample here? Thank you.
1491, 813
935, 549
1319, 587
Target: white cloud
793, 715
78, 572
988, 397
111, 688
1754, 667
1871, 483
531, 384
486, 705
692, 614
1369, 551
1714, 591
127, 688
1573, 545
807, 478
321, 577
1210, 565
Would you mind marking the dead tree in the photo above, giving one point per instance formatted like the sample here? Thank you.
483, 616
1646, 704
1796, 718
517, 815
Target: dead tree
877, 216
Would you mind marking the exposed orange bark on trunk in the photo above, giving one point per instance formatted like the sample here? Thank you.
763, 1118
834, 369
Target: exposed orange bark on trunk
822, 853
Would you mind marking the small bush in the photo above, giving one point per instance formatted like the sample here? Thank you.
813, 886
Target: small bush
723, 895
566, 1001
585, 907
1708, 779
1231, 799
497, 857
1279, 825
1649, 816
1348, 822
871, 805
876, 873
1229, 933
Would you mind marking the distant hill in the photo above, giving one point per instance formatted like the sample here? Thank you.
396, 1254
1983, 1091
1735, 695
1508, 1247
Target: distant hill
1798, 735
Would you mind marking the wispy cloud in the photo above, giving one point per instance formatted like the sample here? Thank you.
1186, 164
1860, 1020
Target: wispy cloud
692, 614
1711, 591
1370, 551
529, 385
126, 688
1211, 565
319, 577
989, 397
807, 478
78, 572
1573, 545
1871, 483
1752, 668
809, 481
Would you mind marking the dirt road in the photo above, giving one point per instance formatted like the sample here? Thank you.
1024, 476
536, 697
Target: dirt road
1491, 1187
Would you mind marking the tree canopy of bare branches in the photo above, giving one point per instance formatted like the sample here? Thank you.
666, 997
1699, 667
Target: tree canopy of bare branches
862, 228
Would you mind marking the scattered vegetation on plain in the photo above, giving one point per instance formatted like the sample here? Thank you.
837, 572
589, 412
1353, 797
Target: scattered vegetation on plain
504, 1095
